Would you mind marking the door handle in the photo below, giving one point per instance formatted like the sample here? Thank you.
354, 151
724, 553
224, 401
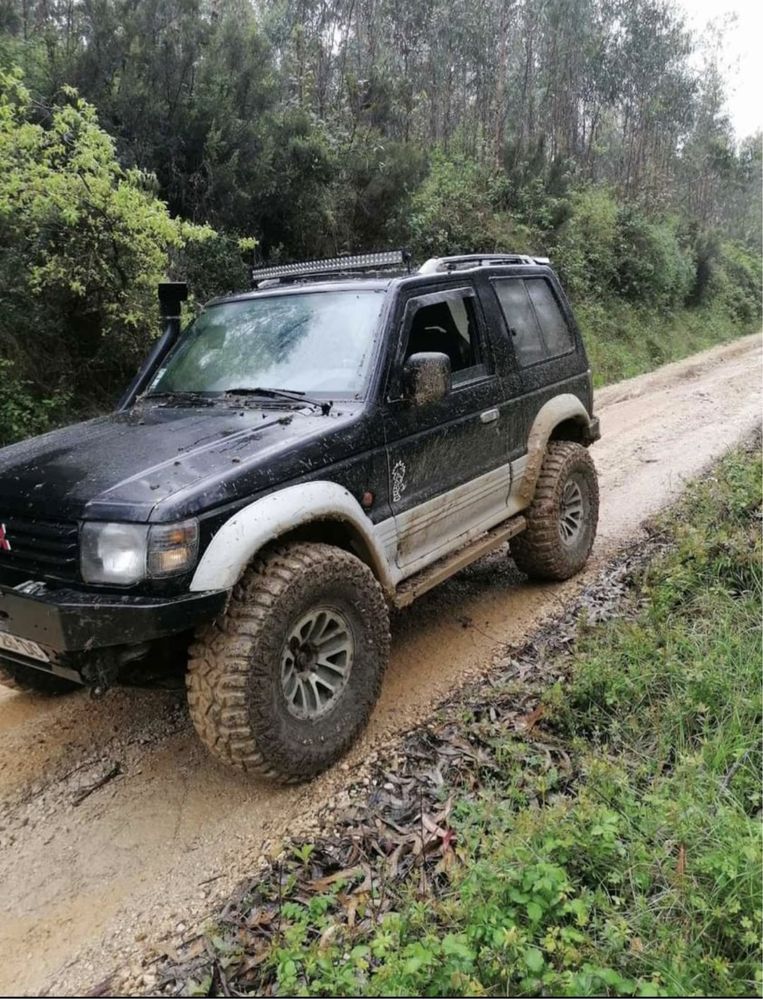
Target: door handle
489, 416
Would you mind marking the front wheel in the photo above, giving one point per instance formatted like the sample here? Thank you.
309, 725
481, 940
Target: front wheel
562, 518
283, 684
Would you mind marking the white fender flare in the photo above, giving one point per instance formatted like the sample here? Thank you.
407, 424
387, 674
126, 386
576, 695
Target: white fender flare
551, 414
249, 529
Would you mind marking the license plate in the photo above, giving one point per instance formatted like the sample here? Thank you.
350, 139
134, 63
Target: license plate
23, 647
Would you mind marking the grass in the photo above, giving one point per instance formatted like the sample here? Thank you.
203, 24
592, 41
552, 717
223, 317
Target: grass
623, 340
631, 868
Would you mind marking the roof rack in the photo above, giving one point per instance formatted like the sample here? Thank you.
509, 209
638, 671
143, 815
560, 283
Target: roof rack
468, 260
332, 265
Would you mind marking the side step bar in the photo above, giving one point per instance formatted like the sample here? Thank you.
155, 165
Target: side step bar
433, 575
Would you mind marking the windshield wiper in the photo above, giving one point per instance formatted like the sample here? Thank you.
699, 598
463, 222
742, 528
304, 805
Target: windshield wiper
292, 395
193, 398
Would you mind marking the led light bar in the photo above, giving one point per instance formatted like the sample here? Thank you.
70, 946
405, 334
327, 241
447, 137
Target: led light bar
358, 262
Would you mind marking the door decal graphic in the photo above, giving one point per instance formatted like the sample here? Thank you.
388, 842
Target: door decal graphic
398, 481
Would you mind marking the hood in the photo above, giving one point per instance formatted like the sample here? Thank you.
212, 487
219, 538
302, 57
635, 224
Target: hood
156, 462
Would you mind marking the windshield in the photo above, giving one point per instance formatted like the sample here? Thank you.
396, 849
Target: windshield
309, 342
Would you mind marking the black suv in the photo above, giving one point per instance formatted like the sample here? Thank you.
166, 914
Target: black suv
301, 458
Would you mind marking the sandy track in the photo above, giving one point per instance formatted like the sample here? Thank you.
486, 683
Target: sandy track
82, 883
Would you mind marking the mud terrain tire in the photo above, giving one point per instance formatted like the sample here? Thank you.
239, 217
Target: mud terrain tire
562, 518
241, 688
34, 681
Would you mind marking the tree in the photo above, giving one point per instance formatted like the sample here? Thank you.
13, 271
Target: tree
83, 243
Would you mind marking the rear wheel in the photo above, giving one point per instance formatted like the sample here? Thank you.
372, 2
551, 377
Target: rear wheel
34, 680
562, 518
282, 685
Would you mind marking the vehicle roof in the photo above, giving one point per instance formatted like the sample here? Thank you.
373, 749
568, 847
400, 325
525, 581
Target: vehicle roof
363, 282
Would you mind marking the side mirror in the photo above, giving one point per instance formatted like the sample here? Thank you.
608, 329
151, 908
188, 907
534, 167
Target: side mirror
426, 378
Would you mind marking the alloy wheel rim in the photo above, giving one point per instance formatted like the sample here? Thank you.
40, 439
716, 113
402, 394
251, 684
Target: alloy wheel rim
571, 512
316, 662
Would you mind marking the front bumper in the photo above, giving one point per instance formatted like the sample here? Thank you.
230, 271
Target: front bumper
76, 621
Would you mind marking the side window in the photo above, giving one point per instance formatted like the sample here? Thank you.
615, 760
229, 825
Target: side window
554, 326
448, 326
521, 321
537, 327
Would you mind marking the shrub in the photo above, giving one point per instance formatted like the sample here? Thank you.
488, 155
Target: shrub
21, 414
734, 282
651, 266
83, 243
584, 248
457, 209
372, 192
212, 266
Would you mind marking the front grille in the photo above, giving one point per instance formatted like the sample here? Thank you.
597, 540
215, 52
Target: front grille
40, 548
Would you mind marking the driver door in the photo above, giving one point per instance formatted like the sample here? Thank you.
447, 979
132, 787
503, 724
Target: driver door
447, 460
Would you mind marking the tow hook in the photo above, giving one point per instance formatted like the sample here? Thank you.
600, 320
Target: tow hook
102, 668
100, 671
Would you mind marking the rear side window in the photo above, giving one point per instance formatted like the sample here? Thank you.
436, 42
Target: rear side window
536, 324
521, 321
553, 325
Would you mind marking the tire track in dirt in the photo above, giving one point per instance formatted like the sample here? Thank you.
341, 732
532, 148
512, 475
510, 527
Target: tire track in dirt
83, 884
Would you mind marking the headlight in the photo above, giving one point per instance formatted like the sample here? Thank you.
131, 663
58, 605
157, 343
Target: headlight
126, 553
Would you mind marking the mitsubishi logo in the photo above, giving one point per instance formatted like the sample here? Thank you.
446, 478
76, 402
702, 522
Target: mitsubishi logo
5, 545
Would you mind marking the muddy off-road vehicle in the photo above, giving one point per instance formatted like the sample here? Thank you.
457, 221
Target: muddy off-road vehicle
299, 460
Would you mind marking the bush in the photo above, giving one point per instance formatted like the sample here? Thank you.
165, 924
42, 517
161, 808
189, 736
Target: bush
212, 266
651, 266
83, 243
372, 194
623, 339
585, 246
21, 414
734, 282
457, 209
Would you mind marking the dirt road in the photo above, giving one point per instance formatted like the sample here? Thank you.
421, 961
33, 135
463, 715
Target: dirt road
86, 879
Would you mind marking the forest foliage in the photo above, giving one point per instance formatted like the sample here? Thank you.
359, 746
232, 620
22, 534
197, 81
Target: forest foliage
142, 138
